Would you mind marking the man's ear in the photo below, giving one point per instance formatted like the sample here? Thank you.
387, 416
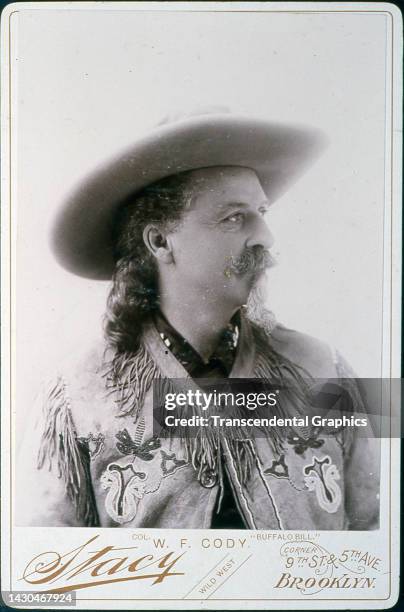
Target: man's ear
156, 241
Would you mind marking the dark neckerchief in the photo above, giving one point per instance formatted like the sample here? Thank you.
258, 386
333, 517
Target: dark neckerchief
220, 362
219, 365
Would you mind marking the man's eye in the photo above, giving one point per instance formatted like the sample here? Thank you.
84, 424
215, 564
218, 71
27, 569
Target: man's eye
235, 218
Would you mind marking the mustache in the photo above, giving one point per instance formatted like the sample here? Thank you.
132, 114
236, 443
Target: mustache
253, 259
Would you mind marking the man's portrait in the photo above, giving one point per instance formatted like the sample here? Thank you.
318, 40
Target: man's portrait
167, 224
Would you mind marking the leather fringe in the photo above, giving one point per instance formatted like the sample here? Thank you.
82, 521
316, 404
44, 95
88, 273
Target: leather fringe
128, 377
59, 445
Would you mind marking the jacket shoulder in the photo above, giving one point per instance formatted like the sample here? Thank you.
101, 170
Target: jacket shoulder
80, 380
85, 365
54, 458
313, 355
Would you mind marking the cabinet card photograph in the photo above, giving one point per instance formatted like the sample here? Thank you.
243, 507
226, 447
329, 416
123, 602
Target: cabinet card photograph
201, 265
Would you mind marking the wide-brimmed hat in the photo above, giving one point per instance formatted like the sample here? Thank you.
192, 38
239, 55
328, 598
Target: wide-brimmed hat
83, 229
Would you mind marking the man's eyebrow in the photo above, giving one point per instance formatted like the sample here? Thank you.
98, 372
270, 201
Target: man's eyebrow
222, 206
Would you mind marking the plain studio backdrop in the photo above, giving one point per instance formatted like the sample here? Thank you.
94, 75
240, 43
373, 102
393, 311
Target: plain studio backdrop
87, 82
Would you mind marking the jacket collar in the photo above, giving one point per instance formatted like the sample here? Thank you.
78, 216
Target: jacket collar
220, 362
171, 367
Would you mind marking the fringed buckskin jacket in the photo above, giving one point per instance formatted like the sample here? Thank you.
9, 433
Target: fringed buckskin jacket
91, 458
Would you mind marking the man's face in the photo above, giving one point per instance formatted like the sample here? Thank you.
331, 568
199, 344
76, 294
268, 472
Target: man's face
225, 219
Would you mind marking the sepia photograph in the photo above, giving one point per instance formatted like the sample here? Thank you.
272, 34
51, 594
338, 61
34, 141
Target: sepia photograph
179, 224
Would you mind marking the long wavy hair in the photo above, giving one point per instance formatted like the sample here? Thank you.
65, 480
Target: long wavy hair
134, 294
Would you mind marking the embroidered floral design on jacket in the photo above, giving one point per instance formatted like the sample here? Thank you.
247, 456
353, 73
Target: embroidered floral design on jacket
124, 492
94, 443
127, 446
279, 469
321, 477
125, 485
167, 458
302, 444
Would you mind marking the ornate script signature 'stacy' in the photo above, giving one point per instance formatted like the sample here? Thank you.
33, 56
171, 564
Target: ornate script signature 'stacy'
201, 263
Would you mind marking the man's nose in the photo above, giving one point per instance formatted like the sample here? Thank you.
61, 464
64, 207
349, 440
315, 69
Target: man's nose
260, 235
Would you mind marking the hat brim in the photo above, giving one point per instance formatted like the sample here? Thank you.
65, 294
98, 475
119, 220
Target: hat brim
82, 232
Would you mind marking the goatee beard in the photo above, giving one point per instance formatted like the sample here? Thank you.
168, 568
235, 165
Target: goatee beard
257, 310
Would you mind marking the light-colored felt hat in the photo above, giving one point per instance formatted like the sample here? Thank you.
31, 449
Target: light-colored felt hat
82, 231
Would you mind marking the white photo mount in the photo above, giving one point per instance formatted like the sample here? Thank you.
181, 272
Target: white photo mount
81, 82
